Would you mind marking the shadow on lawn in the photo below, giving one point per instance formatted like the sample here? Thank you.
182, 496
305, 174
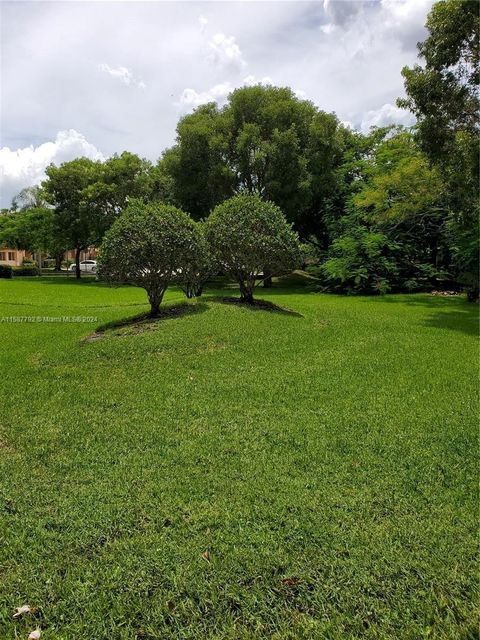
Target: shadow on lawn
144, 322
464, 320
258, 305
452, 313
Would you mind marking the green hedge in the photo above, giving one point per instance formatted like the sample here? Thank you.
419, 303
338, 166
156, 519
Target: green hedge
26, 270
5, 271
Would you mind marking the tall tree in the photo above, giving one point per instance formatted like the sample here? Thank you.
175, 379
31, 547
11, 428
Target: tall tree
443, 94
265, 141
67, 189
197, 164
88, 196
116, 181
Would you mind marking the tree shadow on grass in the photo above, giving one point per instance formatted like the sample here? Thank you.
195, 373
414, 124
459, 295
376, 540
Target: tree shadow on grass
145, 322
62, 279
449, 312
464, 320
258, 305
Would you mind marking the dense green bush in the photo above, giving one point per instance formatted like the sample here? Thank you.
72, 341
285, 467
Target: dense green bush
392, 235
150, 246
26, 270
251, 240
360, 262
5, 271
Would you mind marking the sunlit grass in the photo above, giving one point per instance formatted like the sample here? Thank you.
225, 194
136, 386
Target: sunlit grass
325, 460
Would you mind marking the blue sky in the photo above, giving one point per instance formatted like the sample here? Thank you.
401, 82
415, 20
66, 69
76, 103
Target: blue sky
95, 78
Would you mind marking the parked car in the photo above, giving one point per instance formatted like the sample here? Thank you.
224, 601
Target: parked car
86, 266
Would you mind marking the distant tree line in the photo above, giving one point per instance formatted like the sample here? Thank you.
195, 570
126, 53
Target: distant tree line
394, 209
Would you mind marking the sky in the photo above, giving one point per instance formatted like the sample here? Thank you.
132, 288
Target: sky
94, 78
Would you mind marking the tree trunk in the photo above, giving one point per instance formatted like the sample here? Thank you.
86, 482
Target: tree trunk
246, 293
58, 261
77, 262
155, 297
473, 294
267, 283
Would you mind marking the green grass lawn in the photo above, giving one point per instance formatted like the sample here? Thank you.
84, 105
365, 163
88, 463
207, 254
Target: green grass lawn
326, 461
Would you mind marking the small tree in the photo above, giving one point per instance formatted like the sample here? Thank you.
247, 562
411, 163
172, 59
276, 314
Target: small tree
200, 266
150, 246
252, 240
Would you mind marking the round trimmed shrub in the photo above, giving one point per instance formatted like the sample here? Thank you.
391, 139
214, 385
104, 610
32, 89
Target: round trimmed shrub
251, 240
150, 246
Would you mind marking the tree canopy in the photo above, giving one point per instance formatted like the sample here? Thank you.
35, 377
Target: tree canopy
265, 141
251, 239
443, 95
150, 246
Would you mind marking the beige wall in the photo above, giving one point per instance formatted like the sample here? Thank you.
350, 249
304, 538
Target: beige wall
13, 257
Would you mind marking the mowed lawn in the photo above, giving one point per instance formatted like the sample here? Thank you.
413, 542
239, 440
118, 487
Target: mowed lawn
236, 473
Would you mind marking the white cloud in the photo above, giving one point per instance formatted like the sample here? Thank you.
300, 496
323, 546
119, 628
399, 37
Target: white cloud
48, 84
251, 80
225, 52
301, 95
190, 98
202, 21
387, 114
26, 167
123, 74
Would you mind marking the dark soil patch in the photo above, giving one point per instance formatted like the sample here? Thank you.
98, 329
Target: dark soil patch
260, 305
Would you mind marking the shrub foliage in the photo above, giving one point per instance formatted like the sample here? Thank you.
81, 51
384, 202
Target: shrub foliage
5, 271
150, 246
251, 240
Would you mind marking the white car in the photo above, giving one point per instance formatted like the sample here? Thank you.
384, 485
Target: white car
86, 266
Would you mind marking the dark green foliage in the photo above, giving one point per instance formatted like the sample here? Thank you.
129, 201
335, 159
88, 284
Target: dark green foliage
26, 270
394, 235
67, 188
6, 271
33, 230
361, 261
444, 96
251, 239
150, 246
88, 196
264, 141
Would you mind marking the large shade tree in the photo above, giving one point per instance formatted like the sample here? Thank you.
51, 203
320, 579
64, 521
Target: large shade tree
89, 195
393, 235
264, 141
66, 188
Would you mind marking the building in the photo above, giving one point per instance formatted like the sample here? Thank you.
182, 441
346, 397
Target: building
13, 257
89, 254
